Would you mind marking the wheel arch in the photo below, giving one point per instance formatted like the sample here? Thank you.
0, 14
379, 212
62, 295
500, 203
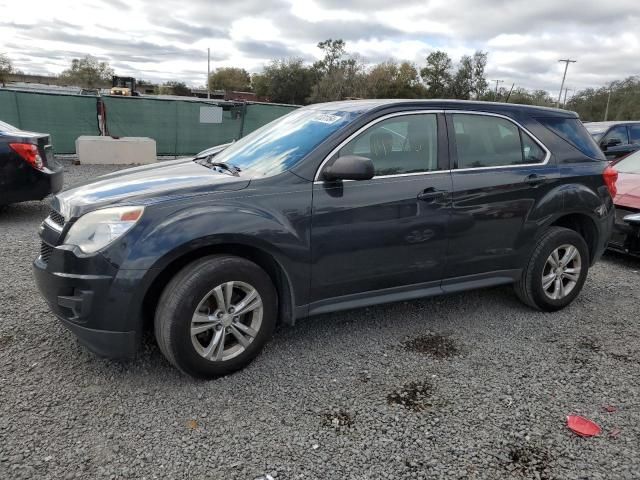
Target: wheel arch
260, 256
582, 224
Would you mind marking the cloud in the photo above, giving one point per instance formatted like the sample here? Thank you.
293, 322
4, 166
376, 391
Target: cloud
168, 40
134, 50
257, 49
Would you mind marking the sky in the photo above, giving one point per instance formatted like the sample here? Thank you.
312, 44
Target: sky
160, 40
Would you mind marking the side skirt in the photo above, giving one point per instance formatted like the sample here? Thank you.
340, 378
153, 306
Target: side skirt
411, 292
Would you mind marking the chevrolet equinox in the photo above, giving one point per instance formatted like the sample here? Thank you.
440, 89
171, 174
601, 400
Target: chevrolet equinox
331, 207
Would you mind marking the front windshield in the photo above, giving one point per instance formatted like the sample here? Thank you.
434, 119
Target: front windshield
630, 164
281, 144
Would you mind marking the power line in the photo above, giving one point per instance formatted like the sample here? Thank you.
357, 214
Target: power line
566, 61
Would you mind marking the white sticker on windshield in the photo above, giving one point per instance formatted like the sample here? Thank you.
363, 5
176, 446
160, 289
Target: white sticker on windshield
326, 118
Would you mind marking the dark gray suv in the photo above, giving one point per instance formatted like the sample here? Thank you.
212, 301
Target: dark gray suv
334, 206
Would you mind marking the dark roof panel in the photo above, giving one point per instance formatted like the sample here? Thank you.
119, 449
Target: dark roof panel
367, 105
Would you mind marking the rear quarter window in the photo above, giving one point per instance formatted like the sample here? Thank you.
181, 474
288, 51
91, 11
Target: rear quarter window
572, 131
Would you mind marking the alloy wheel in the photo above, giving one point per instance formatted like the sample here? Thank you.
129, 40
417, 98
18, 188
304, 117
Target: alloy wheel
226, 321
561, 272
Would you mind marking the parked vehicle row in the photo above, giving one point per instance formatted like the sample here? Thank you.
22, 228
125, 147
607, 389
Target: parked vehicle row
626, 235
28, 170
331, 207
616, 139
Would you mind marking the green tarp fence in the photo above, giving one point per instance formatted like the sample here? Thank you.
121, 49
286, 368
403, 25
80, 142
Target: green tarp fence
174, 124
64, 117
259, 114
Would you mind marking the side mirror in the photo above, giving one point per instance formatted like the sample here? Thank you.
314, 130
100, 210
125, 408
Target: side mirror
612, 142
350, 167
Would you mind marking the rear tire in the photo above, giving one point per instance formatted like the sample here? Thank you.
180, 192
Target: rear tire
556, 271
215, 316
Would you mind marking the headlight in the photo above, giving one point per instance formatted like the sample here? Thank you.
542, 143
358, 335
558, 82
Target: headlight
96, 230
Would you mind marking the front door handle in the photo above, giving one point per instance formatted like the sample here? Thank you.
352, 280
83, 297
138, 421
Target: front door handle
430, 194
535, 179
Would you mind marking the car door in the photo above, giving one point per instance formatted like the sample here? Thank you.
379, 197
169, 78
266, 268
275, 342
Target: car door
634, 137
389, 231
615, 143
500, 175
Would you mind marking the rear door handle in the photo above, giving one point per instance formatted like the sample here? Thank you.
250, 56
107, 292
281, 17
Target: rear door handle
535, 179
430, 194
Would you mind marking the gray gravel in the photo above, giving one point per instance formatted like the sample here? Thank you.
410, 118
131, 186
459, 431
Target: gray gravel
344, 396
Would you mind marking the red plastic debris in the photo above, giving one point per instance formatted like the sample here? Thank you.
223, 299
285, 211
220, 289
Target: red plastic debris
610, 409
583, 426
615, 433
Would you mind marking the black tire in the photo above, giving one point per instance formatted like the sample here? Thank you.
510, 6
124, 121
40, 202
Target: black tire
530, 290
179, 302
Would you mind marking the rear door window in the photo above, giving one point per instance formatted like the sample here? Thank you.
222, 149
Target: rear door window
572, 131
634, 133
488, 141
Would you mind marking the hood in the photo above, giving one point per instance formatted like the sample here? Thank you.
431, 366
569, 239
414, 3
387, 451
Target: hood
628, 187
145, 185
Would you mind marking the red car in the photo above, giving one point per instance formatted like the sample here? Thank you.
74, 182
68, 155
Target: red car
626, 234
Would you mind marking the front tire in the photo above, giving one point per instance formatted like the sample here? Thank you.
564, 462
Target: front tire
215, 316
556, 271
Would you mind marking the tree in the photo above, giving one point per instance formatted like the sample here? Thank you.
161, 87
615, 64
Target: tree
285, 81
461, 84
6, 67
260, 84
230, 79
624, 103
469, 80
479, 82
87, 72
337, 75
392, 80
437, 74
334, 51
174, 88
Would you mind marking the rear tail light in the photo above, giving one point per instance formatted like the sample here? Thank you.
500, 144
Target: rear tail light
610, 176
29, 154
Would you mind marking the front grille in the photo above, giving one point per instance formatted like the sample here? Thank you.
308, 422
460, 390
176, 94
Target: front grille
45, 252
56, 218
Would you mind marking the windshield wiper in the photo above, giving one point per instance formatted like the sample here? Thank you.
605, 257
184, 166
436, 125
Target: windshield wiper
232, 169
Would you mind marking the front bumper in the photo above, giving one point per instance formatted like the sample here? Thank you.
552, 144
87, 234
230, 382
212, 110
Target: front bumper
97, 302
626, 235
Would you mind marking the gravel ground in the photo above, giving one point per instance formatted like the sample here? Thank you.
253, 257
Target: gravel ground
473, 385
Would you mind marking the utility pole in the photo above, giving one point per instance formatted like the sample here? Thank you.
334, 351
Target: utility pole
208, 72
606, 110
564, 103
510, 92
497, 82
566, 61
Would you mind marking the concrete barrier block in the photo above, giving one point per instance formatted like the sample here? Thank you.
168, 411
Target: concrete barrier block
112, 151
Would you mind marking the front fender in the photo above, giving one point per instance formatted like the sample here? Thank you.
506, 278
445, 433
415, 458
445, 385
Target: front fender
276, 224
196, 227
